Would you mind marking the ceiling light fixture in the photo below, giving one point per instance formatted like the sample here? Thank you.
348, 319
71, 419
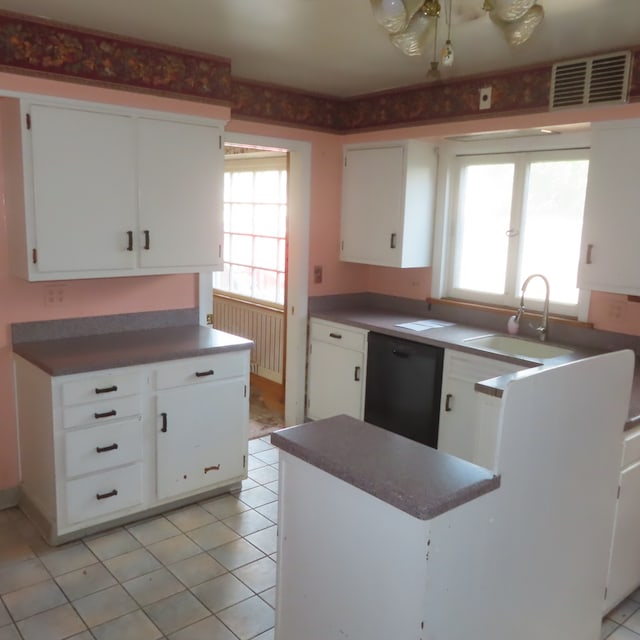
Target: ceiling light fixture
410, 23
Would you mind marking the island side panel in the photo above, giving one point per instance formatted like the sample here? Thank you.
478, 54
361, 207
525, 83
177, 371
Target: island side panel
351, 565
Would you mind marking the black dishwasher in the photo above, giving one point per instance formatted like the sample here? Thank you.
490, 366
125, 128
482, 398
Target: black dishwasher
404, 380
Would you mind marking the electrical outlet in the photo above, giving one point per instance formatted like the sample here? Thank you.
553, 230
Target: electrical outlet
317, 274
485, 98
54, 295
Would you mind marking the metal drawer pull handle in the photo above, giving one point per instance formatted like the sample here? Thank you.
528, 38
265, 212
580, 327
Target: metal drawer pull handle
106, 414
147, 241
202, 374
111, 447
215, 467
337, 336
356, 374
130, 242
102, 496
164, 423
447, 402
107, 389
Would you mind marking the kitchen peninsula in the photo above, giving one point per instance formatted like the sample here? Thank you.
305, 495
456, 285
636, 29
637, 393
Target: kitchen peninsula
381, 537
124, 416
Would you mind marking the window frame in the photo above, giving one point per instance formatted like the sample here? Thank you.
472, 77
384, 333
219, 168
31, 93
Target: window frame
254, 163
452, 156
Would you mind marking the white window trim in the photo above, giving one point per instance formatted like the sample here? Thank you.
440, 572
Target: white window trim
446, 196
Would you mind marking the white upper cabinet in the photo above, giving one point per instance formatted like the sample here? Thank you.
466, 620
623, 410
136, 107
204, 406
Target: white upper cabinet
180, 178
96, 191
610, 260
388, 199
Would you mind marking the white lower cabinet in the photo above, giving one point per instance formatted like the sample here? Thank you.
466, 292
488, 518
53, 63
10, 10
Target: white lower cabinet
337, 367
461, 432
107, 445
624, 561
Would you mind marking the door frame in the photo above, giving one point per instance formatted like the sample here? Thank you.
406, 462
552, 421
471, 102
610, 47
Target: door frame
298, 215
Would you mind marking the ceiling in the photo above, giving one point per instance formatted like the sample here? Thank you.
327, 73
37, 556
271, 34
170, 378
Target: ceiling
335, 47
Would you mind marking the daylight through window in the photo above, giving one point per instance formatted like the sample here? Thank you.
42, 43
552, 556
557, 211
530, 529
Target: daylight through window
255, 224
515, 215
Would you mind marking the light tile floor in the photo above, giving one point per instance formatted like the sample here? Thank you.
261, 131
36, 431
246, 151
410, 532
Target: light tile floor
206, 571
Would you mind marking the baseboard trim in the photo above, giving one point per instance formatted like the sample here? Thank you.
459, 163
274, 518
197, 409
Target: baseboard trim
9, 497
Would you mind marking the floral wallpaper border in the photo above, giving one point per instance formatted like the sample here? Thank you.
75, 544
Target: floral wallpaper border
47, 49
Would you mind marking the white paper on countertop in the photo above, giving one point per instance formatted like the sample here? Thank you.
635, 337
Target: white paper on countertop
423, 325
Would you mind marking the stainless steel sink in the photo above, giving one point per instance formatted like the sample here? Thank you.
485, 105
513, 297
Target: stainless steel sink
513, 346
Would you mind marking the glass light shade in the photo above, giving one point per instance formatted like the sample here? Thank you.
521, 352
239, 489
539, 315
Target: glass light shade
446, 55
511, 10
394, 15
414, 38
520, 31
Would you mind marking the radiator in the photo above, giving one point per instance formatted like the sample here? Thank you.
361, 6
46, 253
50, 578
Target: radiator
262, 325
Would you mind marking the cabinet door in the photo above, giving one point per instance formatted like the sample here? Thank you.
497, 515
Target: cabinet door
180, 194
372, 204
83, 189
610, 259
461, 431
336, 379
202, 433
624, 564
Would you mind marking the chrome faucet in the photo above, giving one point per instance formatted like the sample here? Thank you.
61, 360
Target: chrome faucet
544, 327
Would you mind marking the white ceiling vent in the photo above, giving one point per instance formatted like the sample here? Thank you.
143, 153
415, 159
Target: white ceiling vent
591, 81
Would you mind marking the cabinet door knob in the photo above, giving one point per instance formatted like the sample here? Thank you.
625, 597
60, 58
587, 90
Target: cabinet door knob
106, 414
447, 402
589, 252
111, 447
164, 423
147, 240
130, 241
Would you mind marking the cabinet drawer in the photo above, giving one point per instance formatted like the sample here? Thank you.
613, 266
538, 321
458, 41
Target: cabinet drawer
631, 450
104, 493
103, 447
340, 335
198, 370
115, 384
100, 412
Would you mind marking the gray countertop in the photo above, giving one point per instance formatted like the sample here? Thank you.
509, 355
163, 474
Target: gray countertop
455, 336
63, 356
412, 477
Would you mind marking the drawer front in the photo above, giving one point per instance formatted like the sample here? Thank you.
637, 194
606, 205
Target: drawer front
100, 412
114, 384
103, 447
102, 494
199, 370
631, 451
339, 334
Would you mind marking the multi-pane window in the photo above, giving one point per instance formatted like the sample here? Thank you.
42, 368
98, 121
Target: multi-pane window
515, 215
255, 229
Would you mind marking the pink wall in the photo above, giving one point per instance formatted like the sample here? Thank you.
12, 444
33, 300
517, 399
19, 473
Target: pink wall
22, 301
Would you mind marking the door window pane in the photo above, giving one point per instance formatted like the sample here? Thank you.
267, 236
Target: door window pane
255, 224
